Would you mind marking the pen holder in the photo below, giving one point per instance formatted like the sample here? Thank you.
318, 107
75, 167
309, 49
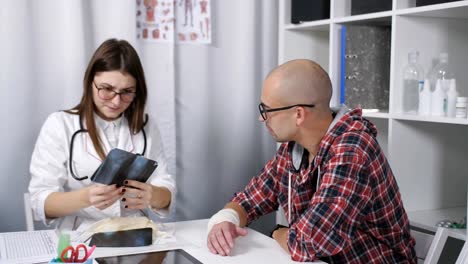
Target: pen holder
57, 260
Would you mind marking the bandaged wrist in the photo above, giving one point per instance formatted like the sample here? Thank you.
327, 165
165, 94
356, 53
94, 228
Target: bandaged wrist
227, 214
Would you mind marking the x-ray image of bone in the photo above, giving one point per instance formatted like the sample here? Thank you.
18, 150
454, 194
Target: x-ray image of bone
188, 9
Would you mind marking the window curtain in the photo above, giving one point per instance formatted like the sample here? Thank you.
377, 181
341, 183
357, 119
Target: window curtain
203, 97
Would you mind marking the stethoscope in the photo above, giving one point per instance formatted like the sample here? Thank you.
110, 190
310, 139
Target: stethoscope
82, 130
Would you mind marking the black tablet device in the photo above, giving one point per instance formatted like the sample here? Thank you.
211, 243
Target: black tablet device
128, 238
178, 256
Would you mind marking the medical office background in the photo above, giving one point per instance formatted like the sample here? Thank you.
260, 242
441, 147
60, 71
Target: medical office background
204, 97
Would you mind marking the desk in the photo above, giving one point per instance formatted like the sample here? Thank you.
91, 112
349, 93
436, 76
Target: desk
191, 237
253, 248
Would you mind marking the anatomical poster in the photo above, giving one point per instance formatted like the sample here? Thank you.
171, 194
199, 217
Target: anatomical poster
193, 21
159, 20
155, 20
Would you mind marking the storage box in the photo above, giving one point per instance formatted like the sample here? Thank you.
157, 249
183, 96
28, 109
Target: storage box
309, 10
432, 2
359, 7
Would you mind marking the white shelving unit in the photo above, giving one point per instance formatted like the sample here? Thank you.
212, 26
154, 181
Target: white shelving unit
428, 155
426, 219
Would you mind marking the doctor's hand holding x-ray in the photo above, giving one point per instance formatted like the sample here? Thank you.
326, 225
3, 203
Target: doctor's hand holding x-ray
73, 143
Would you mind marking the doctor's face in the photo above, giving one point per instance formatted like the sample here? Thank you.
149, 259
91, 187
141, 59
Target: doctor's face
113, 92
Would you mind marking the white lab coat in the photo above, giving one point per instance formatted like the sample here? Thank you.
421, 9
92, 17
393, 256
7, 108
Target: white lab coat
50, 170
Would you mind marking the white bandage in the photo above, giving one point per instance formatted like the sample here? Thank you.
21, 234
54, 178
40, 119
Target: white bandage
227, 214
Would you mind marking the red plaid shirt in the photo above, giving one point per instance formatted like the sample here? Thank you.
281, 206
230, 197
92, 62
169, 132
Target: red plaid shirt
355, 216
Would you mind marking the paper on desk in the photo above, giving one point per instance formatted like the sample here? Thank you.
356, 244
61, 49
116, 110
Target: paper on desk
28, 247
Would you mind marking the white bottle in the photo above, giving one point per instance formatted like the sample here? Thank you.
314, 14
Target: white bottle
461, 105
425, 98
452, 95
412, 74
438, 100
442, 71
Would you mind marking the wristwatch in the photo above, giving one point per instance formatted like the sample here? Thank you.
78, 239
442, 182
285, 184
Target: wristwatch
276, 228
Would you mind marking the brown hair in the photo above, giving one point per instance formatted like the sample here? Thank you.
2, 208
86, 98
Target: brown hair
113, 55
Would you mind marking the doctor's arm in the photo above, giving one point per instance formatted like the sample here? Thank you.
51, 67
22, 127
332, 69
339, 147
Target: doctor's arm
143, 195
158, 192
49, 175
59, 204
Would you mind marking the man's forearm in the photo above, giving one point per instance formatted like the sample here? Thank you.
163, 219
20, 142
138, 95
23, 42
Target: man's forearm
281, 236
240, 211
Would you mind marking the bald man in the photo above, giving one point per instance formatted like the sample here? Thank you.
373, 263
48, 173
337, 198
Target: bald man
329, 175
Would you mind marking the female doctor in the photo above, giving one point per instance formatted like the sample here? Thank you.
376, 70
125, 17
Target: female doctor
73, 143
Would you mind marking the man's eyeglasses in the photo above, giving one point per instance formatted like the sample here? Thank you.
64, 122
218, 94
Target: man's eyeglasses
263, 110
107, 93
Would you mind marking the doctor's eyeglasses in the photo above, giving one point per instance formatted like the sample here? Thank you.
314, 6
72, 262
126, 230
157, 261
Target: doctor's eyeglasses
108, 93
264, 110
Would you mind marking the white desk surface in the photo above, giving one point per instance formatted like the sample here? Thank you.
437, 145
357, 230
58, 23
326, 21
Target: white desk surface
191, 237
253, 248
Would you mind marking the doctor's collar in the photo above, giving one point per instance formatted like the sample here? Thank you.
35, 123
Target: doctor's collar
104, 124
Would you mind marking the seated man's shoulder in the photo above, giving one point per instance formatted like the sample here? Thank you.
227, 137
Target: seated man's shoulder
355, 143
355, 139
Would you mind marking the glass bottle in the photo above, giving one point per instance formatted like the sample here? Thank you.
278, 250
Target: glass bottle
443, 72
412, 75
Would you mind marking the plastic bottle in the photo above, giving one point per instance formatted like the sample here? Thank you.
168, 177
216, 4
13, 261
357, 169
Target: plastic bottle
442, 71
438, 100
461, 106
452, 95
412, 74
425, 97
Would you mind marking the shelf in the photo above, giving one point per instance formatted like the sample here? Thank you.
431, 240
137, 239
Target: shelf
306, 44
433, 119
319, 25
428, 219
384, 16
375, 114
446, 10
426, 152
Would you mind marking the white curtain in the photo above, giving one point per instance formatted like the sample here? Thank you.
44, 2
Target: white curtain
203, 97
220, 142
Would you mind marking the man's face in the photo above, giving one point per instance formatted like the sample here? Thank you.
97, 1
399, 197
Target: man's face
280, 124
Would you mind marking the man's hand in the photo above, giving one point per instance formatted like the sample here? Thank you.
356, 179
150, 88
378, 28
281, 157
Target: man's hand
281, 236
221, 237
